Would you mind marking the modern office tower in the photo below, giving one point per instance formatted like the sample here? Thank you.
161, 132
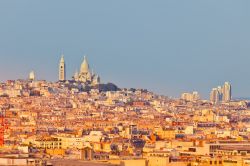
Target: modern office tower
62, 69
220, 90
215, 95
227, 92
196, 96
32, 76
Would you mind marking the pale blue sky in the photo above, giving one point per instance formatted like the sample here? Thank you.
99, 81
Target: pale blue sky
165, 46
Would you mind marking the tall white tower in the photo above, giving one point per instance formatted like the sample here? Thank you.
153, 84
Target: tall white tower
227, 92
215, 96
62, 69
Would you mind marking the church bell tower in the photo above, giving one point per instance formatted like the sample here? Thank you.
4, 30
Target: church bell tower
62, 69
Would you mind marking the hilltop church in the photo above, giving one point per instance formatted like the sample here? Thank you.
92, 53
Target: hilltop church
84, 76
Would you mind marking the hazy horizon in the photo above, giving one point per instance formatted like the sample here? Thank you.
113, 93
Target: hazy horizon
165, 46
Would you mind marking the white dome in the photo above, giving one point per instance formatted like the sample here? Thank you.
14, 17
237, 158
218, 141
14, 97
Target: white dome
84, 66
32, 75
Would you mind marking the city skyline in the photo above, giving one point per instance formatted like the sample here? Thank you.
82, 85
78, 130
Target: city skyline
125, 83
170, 50
62, 76
86, 74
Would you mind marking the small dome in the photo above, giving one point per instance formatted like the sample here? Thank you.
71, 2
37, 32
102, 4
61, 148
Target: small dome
84, 66
32, 75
